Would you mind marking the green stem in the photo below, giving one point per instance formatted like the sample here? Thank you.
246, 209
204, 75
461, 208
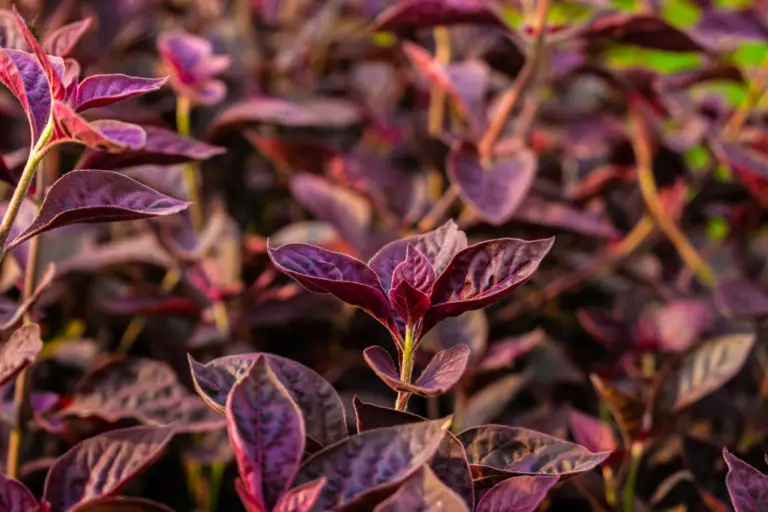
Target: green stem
183, 126
20, 192
629, 487
217, 475
406, 367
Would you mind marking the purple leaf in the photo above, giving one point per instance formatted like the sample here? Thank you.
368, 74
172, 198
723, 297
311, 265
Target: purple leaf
438, 246
504, 353
490, 401
680, 324
15, 497
518, 494
51, 71
162, 147
320, 405
102, 90
423, 492
346, 278
704, 370
495, 190
628, 410
348, 212
741, 299
266, 431
591, 433
86, 196
107, 135
747, 486
118, 504
441, 374
20, 351
450, 461
102, 465
301, 498
10, 37
483, 274
733, 25
413, 14
412, 282
505, 450
370, 461
540, 212
470, 329
749, 166
62, 41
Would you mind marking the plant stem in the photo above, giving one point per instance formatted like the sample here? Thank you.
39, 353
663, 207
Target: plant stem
217, 475
644, 156
436, 94
512, 96
755, 92
20, 192
634, 465
435, 215
183, 124
406, 367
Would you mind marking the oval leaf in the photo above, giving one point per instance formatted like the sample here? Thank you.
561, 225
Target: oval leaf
107, 135
62, 41
518, 494
519, 451
98, 196
369, 461
742, 299
747, 486
412, 14
423, 492
102, 90
15, 497
319, 403
21, 350
266, 432
591, 433
102, 465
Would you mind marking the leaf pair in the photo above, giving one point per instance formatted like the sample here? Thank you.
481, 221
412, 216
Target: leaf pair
192, 66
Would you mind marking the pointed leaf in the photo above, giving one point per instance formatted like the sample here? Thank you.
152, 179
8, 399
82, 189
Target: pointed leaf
320, 405
518, 494
423, 492
20, 351
104, 135
412, 14
373, 460
118, 504
346, 278
52, 73
24, 77
438, 246
102, 90
15, 497
627, 410
412, 281
503, 353
494, 191
705, 369
483, 274
747, 486
266, 432
408, 302
62, 41
86, 196
470, 329
301, 498
497, 449
741, 299
590, 432
102, 465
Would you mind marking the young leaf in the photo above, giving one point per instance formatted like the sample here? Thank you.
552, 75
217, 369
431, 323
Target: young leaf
494, 191
346, 278
320, 405
19, 351
102, 90
741, 299
483, 274
100, 466
97, 196
438, 246
301, 498
423, 491
373, 460
266, 431
52, 73
412, 281
747, 486
518, 494
62, 41
590, 432
441, 374
105, 135
15, 497
118, 504
410, 14
502, 450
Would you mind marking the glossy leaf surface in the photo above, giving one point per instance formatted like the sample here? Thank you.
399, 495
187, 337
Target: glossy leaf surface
518, 494
423, 492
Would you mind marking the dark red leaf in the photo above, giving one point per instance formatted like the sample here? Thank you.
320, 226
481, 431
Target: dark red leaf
412, 14
518, 494
20, 351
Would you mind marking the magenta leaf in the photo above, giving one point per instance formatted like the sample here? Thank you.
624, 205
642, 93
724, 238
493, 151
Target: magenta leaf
119, 504
373, 460
680, 324
107, 135
483, 274
742, 299
411, 14
437, 246
494, 191
504, 353
301, 498
15, 497
320, 405
52, 73
97, 196
266, 431
747, 486
518, 494
749, 166
591, 433
423, 492
502, 450
412, 282
102, 465
20, 351
346, 278
62, 41
348, 212
102, 90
